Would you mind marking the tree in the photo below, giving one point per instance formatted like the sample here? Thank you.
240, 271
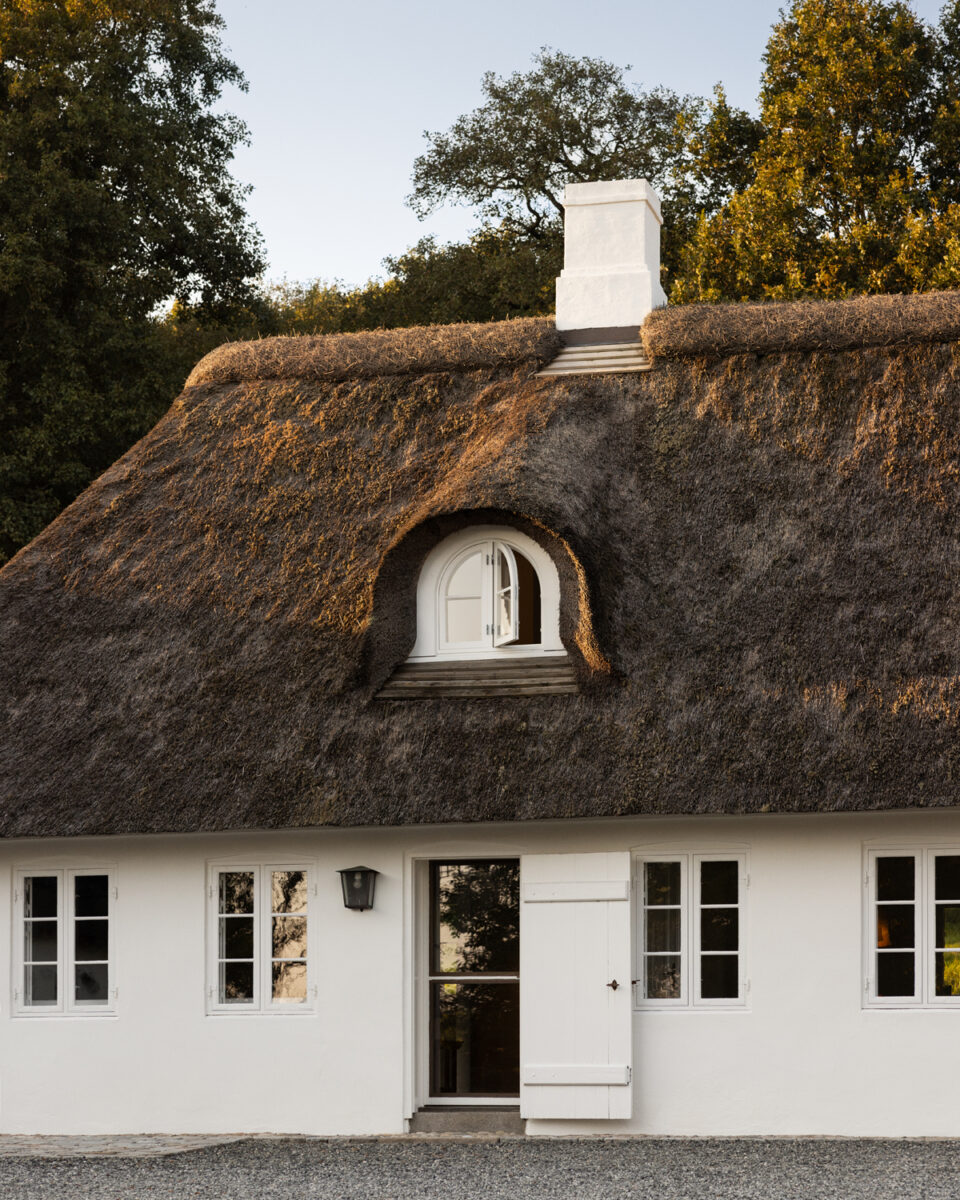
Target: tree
567, 120
840, 200
115, 196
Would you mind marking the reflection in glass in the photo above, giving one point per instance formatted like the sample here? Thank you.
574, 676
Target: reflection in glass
476, 917
948, 974
895, 973
40, 939
719, 929
289, 982
663, 929
719, 976
90, 983
40, 985
90, 941
289, 891
895, 878
662, 977
475, 1038
91, 895
662, 882
236, 982
236, 891
948, 926
947, 872
289, 937
40, 896
719, 882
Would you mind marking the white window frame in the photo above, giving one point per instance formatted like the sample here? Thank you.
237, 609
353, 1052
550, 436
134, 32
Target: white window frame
925, 964
445, 557
66, 1005
262, 1003
690, 906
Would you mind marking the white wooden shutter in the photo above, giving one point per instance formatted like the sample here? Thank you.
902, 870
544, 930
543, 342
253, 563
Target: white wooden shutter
506, 619
576, 1031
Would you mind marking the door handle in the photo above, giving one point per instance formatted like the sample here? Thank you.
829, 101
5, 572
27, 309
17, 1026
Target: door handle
613, 984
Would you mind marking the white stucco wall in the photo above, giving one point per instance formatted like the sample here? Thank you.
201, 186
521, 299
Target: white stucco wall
803, 1056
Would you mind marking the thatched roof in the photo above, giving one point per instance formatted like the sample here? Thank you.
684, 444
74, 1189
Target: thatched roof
758, 543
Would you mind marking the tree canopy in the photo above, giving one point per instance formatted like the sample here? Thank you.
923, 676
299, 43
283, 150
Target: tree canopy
115, 195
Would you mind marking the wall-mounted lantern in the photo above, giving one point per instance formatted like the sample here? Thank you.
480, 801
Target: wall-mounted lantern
358, 887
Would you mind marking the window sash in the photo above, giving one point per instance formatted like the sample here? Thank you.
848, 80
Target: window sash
265, 962
67, 961
690, 952
925, 949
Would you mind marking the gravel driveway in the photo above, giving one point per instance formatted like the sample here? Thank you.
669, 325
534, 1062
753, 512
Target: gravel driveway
654, 1169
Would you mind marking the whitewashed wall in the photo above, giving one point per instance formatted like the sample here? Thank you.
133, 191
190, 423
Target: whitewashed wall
803, 1056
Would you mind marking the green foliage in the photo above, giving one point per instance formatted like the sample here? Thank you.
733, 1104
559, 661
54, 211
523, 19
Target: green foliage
114, 197
854, 172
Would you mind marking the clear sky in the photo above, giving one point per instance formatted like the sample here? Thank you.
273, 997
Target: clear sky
340, 94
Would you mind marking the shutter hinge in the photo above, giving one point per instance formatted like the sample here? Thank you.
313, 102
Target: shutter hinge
866, 984
210, 890
114, 992
748, 879
116, 893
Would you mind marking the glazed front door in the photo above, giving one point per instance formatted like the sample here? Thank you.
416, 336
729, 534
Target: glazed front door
474, 980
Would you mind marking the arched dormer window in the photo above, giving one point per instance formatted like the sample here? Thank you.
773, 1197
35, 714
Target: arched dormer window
487, 592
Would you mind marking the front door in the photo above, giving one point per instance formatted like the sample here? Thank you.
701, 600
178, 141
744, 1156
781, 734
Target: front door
474, 980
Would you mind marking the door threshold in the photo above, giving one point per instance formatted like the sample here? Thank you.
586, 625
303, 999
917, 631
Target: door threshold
469, 1108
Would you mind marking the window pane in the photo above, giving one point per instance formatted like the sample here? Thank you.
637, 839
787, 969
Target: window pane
663, 929
289, 891
90, 941
948, 925
289, 937
236, 983
895, 974
289, 982
463, 620
467, 579
90, 983
719, 929
948, 876
894, 925
719, 976
90, 895
528, 602
40, 896
476, 917
40, 938
236, 937
719, 882
40, 985
662, 882
662, 977
236, 891
475, 1043
504, 613
948, 974
895, 878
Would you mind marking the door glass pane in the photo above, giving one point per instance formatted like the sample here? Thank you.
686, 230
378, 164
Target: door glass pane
662, 884
289, 891
476, 917
719, 882
90, 983
895, 878
719, 976
475, 1040
236, 983
948, 876
895, 973
464, 620
289, 937
289, 982
895, 925
236, 891
40, 939
90, 941
40, 985
90, 895
236, 937
662, 977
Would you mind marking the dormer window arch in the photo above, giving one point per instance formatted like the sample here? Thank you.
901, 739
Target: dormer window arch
487, 592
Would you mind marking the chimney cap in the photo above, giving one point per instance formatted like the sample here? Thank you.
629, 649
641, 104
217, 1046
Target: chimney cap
612, 191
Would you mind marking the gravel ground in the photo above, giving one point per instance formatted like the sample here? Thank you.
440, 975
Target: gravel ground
654, 1169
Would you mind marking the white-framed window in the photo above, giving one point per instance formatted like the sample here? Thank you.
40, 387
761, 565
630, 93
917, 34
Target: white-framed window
912, 927
258, 938
690, 930
485, 592
63, 942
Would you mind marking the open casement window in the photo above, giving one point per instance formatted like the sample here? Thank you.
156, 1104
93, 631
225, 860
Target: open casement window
690, 951
258, 932
912, 931
506, 617
64, 940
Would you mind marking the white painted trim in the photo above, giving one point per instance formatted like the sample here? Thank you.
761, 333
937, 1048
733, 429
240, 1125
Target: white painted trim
604, 889
577, 1075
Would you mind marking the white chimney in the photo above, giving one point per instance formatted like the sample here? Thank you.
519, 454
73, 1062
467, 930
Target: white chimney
611, 260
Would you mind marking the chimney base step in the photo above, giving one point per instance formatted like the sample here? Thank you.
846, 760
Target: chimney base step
610, 358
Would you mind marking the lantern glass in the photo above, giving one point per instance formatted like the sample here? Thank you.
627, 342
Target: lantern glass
358, 887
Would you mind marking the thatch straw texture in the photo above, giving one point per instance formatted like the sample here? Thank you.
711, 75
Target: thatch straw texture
760, 565
718, 329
